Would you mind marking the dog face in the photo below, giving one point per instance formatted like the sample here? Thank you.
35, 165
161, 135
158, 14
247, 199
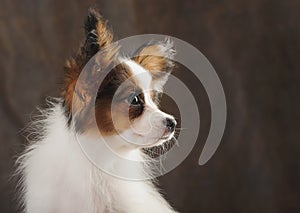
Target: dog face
135, 116
126, 106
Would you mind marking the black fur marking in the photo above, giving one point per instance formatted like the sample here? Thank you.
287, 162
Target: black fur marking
91, 21
91, 46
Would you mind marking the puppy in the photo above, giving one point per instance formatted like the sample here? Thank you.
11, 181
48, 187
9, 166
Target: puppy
57, 174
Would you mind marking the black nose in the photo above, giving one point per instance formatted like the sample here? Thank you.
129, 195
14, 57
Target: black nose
170, 124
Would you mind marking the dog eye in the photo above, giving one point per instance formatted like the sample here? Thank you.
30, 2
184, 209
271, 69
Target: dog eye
134, 100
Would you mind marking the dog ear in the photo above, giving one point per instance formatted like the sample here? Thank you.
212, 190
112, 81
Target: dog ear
157, 57
97, 38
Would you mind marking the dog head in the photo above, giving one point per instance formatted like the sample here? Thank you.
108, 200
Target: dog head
126, 102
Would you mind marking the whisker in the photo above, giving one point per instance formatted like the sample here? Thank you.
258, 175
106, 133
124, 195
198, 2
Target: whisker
176, 142
180, 128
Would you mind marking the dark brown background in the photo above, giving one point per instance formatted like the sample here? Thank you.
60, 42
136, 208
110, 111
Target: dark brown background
254, 47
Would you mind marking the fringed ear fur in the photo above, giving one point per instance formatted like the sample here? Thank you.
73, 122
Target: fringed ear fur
157, 57
98, 38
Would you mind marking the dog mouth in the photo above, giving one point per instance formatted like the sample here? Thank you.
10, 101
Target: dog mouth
166, 137
155, 141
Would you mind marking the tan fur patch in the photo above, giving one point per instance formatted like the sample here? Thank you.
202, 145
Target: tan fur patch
157, 58
82, 95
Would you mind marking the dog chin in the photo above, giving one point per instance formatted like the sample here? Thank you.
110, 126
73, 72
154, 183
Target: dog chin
161, 140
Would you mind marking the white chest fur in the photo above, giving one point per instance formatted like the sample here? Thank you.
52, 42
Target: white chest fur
57, 177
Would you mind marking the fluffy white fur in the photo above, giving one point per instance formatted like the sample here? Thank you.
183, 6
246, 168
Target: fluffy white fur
58, 178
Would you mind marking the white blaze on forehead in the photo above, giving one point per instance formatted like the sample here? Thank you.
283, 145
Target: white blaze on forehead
144, 80
141, 75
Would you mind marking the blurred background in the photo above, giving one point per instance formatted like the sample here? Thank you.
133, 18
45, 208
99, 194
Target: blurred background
253, 45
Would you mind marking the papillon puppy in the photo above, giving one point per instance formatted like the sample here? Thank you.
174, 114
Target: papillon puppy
56, 174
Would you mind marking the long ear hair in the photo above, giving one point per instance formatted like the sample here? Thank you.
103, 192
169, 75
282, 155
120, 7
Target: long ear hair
157, 57
97, 38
